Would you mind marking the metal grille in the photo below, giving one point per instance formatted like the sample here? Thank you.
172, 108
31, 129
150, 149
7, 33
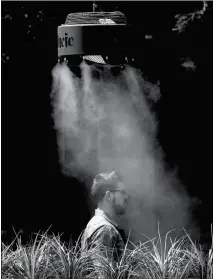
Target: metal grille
95, 58
95, 18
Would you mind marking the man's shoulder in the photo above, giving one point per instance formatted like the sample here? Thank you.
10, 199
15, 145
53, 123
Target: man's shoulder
98, 222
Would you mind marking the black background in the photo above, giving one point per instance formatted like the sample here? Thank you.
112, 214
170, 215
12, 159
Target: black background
34, 192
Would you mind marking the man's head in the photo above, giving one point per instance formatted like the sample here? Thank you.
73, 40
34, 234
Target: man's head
108, 191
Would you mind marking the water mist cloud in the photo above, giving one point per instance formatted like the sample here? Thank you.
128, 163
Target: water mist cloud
107, 124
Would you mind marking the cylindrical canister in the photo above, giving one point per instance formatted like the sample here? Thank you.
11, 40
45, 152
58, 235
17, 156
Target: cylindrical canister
91, 39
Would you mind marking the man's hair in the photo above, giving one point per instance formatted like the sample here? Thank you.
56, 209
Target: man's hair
102, 183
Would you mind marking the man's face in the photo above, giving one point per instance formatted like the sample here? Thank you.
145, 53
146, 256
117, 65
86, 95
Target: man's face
120, 199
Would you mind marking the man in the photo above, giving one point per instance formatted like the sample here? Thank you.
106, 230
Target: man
111, 199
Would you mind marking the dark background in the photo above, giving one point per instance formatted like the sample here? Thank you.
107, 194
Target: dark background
34, 192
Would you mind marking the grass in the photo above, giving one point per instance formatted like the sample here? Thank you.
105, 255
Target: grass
48, 258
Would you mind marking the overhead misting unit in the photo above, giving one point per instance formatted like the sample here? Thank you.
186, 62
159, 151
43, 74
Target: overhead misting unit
101, 38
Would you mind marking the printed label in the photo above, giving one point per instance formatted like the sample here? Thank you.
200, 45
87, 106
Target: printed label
69, 40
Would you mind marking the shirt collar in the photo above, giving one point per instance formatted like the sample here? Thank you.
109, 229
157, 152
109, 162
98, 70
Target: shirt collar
99, 211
